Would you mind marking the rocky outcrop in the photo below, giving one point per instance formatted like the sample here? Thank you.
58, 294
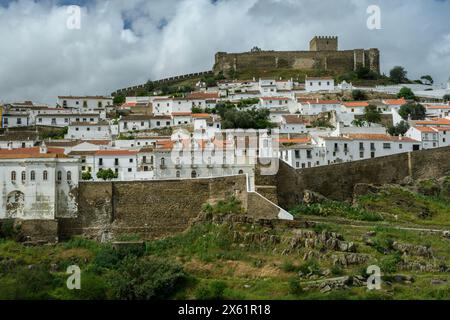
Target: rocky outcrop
311, 197
413, 250
350, 259
326, 240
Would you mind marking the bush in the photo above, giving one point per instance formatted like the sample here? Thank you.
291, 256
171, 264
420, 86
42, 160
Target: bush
310, 266
414, 110
399, 130
389, 264
86, 176
406, 93
27, 284
107, 174
147, 279
294, 287
229, 206
336, 270
288, 266
214, 291
9, 230
358, 95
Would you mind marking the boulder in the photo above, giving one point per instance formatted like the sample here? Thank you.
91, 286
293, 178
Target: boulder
311, 197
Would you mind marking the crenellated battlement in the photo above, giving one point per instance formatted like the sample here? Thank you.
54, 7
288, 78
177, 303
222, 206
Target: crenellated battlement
323, 43
323, 54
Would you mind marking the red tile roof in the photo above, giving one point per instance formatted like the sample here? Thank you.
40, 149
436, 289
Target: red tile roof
25, 153
181, 114
295, 140
356, 104
203, 96
116, 153
435, 121
274, 98
395, 102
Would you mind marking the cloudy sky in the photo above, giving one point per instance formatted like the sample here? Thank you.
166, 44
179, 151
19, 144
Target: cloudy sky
122, 43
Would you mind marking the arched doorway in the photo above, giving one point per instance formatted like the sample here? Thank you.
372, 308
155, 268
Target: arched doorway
15, 204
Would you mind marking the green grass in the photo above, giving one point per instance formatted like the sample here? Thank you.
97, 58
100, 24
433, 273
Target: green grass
400, 205
335, 209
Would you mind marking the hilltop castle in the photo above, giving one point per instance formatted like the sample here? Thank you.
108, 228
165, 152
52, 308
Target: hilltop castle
323, 54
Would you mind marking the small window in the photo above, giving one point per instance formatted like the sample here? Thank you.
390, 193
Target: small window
69, 176
24, 176
59, 175
45, 175
13, 176
194, 174
33, 175
178, 174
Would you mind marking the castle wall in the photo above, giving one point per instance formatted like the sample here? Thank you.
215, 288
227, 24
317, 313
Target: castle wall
333, 61
337, 182
152, 209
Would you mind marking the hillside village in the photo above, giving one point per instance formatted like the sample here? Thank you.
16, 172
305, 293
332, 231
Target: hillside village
47, 150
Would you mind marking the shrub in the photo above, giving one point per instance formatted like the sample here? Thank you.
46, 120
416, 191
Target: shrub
86, 176
294, 286
146, 279
107, 174
27, 284
358, 95
389, 264
214, 291
9, 230
336, 270
310, 266
229, 206
80, 242
288, 266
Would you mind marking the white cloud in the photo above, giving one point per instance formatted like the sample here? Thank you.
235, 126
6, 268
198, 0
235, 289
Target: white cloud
40, 58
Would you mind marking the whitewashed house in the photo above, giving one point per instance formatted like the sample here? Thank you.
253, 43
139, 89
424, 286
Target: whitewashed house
431, 137
293, 123
37, 183
89, 130
15, 119
85, 103
315, 107
19, 139
315, 84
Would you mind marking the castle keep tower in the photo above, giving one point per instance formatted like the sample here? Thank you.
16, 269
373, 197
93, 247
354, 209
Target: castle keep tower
319, 43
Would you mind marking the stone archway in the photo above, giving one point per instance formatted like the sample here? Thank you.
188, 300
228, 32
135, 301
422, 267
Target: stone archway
15, 204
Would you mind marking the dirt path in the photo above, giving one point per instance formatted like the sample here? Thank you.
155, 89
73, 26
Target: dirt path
363, 224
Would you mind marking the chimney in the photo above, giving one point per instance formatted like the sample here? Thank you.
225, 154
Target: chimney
43, 148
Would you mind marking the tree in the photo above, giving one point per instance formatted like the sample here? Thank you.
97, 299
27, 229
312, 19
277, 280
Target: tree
253, 118
86, 176
429, 80
398, 74
399, 130
107, 174
147, 279
446, 97
372, 114
359, 95
358, 122
414, 110
365, 73
118, 100
406, 93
